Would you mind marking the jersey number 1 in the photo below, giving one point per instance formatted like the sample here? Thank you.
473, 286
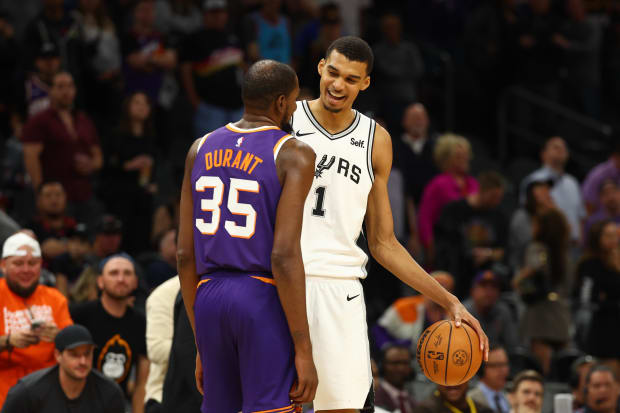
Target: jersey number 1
318, 210
234, 206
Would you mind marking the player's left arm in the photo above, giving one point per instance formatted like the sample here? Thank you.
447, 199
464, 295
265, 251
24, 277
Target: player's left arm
388, 252
142, 372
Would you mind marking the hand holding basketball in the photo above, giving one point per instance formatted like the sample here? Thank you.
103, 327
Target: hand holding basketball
449, 355
459, 314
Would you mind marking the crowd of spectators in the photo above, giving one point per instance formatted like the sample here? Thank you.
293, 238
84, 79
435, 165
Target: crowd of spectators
99, 101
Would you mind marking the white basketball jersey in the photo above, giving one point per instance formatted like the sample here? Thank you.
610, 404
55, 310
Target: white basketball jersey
336, 204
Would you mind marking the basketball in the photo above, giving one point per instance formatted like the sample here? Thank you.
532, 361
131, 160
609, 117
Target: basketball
449, 355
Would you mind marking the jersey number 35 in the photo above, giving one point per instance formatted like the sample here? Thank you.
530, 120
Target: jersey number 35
214, 203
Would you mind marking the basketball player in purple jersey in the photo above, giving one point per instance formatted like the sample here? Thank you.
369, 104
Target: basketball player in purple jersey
239, 260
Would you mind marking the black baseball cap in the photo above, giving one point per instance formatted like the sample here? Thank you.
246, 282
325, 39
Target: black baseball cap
73, 336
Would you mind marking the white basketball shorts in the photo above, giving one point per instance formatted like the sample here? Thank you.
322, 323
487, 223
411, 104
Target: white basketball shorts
337, 320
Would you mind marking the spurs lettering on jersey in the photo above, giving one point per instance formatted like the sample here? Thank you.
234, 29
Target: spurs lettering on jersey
336, 205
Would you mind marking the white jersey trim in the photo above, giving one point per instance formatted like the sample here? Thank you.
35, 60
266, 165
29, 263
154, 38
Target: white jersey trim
321, 129
371, 143
281, 142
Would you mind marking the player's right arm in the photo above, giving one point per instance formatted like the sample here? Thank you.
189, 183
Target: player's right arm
295, 165
186, 265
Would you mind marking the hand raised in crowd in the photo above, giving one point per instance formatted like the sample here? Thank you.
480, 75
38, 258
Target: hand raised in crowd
23, 339
459, 314
47, 331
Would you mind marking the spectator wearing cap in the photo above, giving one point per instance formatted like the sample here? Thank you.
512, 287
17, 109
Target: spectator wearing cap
494, 316
72, 385
211, 63
537, 201
493, 376
609, 200
31, 313
118, 330
578, 371
565, 191
471, 233
61, 144
51, 225
108, 236
69, 265
39, 82
609, 169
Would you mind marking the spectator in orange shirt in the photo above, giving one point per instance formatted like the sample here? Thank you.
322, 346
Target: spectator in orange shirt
31, 313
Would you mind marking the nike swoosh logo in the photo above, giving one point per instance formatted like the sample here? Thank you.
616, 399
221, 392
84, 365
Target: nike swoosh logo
303, 134
350, 298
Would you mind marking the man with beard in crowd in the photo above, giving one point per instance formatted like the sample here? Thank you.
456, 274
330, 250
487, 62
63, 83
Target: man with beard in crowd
31, 313
118, 330
526, 395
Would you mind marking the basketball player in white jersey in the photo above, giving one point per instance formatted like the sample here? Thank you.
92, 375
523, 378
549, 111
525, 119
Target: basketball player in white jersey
353, 162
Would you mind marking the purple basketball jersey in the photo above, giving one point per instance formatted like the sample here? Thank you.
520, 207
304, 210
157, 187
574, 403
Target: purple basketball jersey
236, 190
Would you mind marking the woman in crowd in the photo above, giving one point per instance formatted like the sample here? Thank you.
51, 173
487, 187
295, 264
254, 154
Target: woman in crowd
538, 201
128, 185
598, 289
453, 156
541, 283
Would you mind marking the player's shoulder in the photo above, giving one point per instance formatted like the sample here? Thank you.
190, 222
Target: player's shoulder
294, 150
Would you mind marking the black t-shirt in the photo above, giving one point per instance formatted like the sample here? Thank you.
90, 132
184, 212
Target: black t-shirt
41, 392
119, 340
216, 59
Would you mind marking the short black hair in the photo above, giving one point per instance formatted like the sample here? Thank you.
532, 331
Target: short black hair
491, 180
264, 81
354, 49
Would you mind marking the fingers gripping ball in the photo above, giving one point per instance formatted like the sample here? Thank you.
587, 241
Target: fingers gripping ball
449, 355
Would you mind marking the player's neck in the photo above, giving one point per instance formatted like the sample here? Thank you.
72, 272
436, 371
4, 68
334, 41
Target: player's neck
333, 122
251, 121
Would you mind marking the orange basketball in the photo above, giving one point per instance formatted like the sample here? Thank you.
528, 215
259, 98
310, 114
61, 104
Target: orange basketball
449, 355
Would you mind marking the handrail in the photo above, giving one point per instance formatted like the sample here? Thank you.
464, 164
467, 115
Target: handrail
541, 102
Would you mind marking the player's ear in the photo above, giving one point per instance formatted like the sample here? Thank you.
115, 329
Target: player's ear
280, 104
365, 83
320, 66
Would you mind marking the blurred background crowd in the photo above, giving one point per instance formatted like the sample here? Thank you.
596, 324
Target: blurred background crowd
506, 178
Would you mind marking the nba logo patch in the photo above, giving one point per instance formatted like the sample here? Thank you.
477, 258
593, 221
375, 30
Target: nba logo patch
240, 141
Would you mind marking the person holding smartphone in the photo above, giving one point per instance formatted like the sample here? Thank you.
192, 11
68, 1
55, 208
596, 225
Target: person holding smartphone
32, 314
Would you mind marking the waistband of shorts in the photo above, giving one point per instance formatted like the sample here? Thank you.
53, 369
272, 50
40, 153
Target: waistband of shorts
323, 278
232, 274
